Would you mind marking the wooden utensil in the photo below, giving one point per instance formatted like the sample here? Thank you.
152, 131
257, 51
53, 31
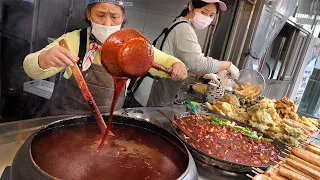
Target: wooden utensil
86, 93
178, 126
126, 53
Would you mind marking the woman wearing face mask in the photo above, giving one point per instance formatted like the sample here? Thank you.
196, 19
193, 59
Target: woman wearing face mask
180, 41
104, 18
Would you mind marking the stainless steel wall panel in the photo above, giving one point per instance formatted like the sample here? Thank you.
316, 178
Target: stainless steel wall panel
12, 74
167, 7
18, 18
221, 36
53, 15
76, 21
239, 32
150, 37
140, 5
155, 23
276, 89
135, 19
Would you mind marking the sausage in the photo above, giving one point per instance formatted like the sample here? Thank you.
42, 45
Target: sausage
310, 131
297, 171
306, 132
314, 145
303, 168
277, 172
291, 174
261, 177
275, 176
307, 128
304, 162
307, 156
313, 150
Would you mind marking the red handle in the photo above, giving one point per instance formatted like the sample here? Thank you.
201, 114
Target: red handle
86, 93
162, 68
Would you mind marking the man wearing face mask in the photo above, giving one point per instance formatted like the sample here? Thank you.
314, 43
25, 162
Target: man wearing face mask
180, 41
104, 18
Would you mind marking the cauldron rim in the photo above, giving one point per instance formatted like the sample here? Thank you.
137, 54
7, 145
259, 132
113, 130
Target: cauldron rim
91, 121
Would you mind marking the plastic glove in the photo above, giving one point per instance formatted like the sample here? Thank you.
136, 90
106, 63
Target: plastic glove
234, 71
213, 77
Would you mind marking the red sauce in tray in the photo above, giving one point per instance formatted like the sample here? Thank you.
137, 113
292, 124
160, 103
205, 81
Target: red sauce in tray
223, 142
132, 153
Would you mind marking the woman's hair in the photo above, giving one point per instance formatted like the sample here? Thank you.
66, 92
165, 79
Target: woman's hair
89, 8
196, 4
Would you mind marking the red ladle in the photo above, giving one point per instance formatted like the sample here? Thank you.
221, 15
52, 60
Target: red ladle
126, 53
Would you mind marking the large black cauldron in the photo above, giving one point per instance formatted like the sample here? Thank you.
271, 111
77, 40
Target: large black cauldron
24, 166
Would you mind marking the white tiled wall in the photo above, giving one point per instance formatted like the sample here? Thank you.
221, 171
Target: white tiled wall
150, 17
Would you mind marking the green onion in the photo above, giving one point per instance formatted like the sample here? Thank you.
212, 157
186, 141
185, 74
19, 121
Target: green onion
244, 130
266, 139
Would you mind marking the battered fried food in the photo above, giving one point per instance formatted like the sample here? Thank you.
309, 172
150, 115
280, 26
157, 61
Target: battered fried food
201, 88
214, 108
226, 108
287, 111
231, 99
249, 91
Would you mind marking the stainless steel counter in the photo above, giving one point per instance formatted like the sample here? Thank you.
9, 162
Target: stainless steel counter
13, 134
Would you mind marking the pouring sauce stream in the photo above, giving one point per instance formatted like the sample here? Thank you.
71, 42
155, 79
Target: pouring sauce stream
118, 85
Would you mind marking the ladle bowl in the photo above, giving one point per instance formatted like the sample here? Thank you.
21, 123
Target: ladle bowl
126, 53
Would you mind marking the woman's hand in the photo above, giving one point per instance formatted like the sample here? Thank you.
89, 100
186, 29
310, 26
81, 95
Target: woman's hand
179, 71
213, 77
234, 71
56, 57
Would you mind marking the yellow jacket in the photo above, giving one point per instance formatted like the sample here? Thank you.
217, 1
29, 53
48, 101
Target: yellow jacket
31, 66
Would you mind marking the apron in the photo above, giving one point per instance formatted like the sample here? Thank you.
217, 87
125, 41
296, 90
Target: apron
67, 98
163, 91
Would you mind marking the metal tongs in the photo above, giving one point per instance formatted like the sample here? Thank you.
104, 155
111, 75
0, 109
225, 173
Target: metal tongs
194, 109
178, 126
235, 80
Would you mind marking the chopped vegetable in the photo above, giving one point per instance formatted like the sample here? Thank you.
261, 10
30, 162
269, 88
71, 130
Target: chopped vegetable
244, 130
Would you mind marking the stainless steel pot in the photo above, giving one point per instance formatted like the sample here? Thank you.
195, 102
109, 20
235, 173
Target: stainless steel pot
24, 167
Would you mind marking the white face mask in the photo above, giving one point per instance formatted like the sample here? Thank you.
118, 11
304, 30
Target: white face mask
201, 21
102, 32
